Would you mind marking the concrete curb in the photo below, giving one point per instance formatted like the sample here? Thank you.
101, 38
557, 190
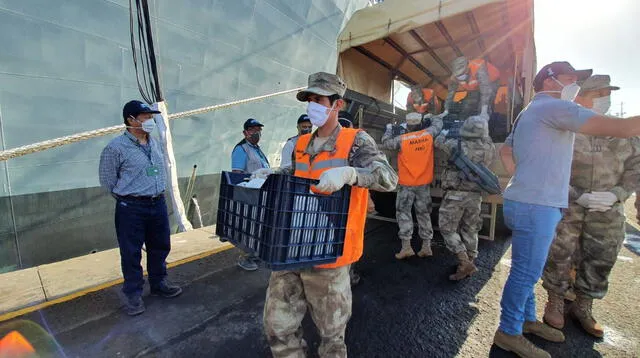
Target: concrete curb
32, 289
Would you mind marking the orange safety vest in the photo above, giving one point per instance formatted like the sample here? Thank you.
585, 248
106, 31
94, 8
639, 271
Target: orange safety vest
471, 84
415, 159
430, 101
354, 235
500, 104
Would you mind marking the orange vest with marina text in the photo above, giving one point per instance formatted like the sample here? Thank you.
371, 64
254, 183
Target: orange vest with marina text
415, 159
305, 168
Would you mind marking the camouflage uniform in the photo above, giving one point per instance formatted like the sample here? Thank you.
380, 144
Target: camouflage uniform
408, 196
485, 87
327, 292
595, 238
460, 207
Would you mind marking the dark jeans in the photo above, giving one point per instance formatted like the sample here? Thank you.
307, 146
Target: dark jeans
138, 223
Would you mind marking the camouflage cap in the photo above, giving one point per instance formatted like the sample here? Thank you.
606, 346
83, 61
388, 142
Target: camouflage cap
597, 82
474, 127
323, 84
459, 66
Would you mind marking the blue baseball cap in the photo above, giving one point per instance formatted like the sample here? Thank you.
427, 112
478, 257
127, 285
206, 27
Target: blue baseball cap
252, 123
134, 108
303, 118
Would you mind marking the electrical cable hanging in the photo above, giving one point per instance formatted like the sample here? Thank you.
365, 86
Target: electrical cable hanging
144, 57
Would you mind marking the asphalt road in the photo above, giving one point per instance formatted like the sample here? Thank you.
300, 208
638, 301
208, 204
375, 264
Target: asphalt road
400, 309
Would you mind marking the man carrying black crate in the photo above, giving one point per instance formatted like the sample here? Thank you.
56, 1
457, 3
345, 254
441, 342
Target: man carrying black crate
335, 156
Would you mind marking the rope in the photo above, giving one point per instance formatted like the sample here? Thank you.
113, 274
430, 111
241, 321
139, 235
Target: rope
78, 137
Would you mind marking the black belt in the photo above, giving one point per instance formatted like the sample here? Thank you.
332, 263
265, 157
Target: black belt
140, 198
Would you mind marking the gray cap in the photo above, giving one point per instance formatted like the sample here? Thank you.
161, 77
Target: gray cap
459, 66
323, 84
597, 82
474, 127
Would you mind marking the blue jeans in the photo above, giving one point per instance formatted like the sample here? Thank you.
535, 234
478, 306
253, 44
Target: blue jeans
533, 227
138, 223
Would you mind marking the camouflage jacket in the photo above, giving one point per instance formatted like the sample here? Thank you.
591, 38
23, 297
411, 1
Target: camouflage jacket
372, 167
605, 164
477, 149
484, 85
390, 142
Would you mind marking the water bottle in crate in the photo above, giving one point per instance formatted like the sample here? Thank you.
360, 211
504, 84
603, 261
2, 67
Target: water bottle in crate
283, 222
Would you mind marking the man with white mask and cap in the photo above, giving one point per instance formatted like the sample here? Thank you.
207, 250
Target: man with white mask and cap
538, 153
605, 171
335, 156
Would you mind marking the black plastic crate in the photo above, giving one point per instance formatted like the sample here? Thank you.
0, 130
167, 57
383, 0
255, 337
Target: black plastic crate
283, 223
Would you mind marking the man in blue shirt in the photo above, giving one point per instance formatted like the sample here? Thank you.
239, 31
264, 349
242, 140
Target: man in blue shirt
132, 170
247, 157
538, 153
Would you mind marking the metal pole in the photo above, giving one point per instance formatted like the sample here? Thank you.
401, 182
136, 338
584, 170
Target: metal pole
513, 94
190, 186
9, 191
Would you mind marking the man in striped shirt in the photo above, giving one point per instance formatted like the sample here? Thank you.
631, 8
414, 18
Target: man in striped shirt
132, 170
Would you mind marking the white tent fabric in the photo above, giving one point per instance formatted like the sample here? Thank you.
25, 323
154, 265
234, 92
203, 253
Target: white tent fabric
415, 41
398, 16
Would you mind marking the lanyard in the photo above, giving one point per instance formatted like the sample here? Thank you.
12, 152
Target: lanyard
146, 151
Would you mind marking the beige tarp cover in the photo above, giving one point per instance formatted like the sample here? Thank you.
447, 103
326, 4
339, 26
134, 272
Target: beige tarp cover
415, 41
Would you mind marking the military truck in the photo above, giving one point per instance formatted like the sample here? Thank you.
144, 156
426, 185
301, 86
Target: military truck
413, 42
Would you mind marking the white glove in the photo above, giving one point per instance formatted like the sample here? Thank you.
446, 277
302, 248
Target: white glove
597, 200
404, 125
388, 129
334, 179
444, 132
443, 114
261, 173
484, 113
601, 209
585, 200
603, 199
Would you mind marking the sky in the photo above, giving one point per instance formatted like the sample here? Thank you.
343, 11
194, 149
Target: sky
598, 34
602, 35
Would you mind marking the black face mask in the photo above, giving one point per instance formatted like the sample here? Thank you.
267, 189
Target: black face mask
305, 131
254, 137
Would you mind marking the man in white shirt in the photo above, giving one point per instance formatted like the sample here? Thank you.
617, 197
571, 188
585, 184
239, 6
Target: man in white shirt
304, 127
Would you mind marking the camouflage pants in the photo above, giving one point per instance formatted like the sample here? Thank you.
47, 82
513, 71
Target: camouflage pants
327, 294
408, 197
460, 212
590, 239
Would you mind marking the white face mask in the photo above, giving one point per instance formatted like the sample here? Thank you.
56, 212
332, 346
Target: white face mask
149, 125
462, 77
318, 114
569, 92
601, 104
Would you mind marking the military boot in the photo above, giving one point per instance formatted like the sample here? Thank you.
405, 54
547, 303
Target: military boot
581, 311
465, 267
406, 251
543, 330
554, 311
425, 251
570, 295
519, 345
